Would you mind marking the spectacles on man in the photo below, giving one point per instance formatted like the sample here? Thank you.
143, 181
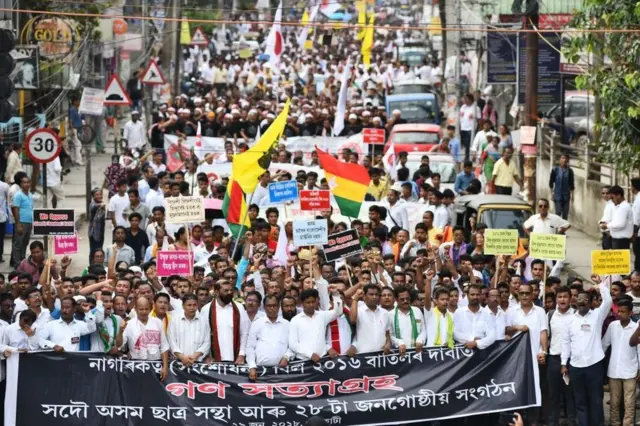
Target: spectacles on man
543, 206
524, 293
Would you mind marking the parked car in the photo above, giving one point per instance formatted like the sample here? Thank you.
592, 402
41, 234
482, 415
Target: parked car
406, 87
414, 137
578, 115
496, 211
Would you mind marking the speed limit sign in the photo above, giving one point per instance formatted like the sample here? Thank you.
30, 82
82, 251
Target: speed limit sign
43, 145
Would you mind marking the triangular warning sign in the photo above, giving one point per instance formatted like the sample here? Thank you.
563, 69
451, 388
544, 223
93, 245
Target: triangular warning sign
199, 39
114, 93
152, 75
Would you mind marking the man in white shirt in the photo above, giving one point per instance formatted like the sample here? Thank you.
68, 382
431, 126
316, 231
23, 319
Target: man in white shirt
545, 222
155, 197
469, 112
606, 217
438, 319
623, 364
558, 389
621, 223
582, 347
63, 335
372, 322
104, 339
472, 326
307, 330
228, 324
134, 132
497, 313
528, 317
408, 329
268, 343
188, 335
145, 337
54, 182
396, 212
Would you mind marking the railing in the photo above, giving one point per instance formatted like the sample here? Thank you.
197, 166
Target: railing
582, 160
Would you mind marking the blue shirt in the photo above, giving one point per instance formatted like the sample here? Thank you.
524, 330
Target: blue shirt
454, 147
414, 187
75, 118
24, 203
462, 181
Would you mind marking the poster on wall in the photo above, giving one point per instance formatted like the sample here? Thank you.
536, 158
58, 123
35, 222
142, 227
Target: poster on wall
26, 74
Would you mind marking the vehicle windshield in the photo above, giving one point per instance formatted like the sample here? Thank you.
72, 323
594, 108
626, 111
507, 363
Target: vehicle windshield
417, 111
506, 219
414, 59
407, 89
447, 171
416, 137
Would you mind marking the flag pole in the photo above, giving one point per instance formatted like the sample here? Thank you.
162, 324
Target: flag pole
244, 219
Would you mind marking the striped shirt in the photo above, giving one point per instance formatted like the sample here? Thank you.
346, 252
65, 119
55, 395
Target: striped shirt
189, 336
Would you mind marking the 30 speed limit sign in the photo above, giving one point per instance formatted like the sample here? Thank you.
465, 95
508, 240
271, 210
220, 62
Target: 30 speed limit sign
43, 145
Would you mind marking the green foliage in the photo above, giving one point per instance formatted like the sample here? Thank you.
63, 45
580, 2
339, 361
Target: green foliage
617, 79
204, 15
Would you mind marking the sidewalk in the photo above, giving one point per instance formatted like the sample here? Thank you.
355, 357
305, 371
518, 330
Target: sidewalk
578, 257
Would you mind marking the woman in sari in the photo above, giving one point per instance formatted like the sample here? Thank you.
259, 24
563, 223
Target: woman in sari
490, 155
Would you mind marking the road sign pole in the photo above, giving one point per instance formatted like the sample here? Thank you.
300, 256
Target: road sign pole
45, 202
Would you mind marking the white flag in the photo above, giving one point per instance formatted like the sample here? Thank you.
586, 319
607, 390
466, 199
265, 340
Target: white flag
275, 42
304, 33
338, 123
282, 254
389, 161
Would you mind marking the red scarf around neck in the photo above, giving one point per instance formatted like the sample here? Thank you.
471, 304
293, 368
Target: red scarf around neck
335, 332
213, 322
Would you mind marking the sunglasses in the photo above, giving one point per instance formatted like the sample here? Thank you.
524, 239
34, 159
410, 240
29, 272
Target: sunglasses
525, 293
543, 206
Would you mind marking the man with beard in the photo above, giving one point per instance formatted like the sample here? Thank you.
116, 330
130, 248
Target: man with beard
473, 326
408, 329
497, 313
63, 335
104, 339
559, 318
582, 345
268, 342
289, 307
228, 325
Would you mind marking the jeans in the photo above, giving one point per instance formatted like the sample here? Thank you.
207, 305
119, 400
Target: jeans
622, 390
562, 208
587, 385
3, 232
636, 251
557, 392
606, 241
620, 243
465, 142
504, 190
20, 243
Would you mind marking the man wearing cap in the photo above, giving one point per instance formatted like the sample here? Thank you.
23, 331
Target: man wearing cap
134, 132
396, 212
480, 141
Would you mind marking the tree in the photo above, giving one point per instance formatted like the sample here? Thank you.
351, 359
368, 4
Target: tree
615, 75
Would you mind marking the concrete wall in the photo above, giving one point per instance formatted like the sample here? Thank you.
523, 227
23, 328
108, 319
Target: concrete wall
587, 206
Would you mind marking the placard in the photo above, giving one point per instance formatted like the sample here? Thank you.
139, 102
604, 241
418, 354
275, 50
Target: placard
179, 262
310, 232
315, 200
373, 136
281, 192
92, 101
65, 244
341, 245
547, 246
184, 209
53, 222
500, 242
611, 262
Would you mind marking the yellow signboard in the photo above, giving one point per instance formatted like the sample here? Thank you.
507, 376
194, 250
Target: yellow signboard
547, 246
611, 262
501, 241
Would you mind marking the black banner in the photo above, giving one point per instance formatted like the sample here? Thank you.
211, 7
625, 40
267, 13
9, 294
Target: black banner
54, 222
341, 245
88, 389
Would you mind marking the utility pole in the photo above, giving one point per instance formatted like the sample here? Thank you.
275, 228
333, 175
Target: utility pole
177, 29
458, 64
531, 94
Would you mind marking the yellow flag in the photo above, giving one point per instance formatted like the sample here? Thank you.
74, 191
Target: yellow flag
185, 33
361, 7
250, 165
367, 43
305, 18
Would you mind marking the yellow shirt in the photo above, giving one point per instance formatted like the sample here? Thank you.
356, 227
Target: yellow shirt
378, 191
504, 173
433, 234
